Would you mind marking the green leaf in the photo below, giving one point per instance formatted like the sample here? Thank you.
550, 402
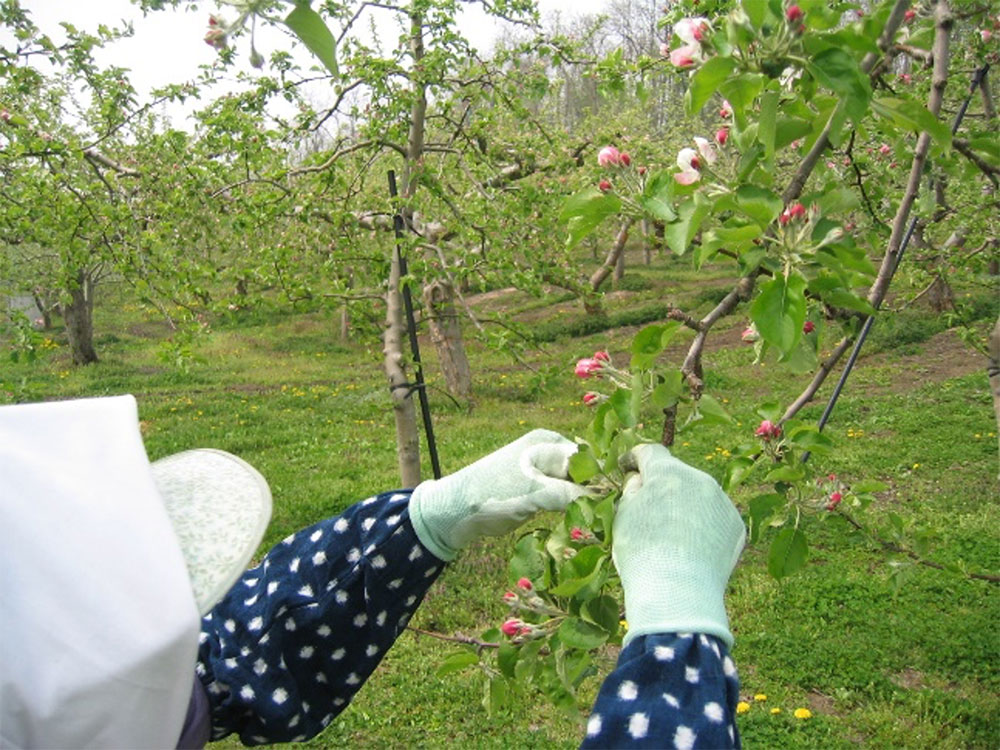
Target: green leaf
838, 71
308, 26
577, 633
584, 212
767, 125
760, 204
788, 129
691, 213
779, 311
457, 662
761, 509
811, 439
835, 200
582, 574
869, 485
741, 91
756, 11
507, 656
496, 694
911, 115
712, 411
669, 392
602, 611
650, 342
788, 553
736, 471
786, 473
583, 466
706, 81
656, 198
621, 402
528, 561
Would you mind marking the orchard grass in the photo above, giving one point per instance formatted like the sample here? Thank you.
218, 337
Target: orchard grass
875, 663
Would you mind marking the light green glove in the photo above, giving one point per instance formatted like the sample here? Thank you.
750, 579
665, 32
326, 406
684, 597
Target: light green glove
496, 494
677, 537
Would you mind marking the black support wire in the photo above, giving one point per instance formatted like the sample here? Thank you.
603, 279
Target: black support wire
411, 327
978, 79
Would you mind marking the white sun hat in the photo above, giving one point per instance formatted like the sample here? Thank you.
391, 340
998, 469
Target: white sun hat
106, 564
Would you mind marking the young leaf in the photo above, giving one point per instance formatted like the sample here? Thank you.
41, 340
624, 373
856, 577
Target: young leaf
709, 76
761, 509
457, 662
585, 211
788, 553
308, 26
779, 311
576, 633
583, 466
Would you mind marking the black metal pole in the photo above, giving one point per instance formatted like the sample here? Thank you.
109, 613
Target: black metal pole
411, 327
977, 79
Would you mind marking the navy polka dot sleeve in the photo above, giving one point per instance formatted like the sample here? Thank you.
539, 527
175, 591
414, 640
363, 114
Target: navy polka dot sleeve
297, 636
670, 690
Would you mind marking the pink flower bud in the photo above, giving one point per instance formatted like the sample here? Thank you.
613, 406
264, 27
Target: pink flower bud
909, 15
604, 186
906, 78
808, 327
726, 112
591, 399
835, 499
509, 596
797, 210
216, 37
686, 56
641, 171
602, 356
608, 156
624, 160
721, 136
768, 430
524, 583
794, 13
576, 534
665, 49
784, 217
885, 149
832, 477
750, 335
985, 35
511, 627
587, 367
5, 115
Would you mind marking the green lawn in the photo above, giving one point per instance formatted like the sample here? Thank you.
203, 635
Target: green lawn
877, 667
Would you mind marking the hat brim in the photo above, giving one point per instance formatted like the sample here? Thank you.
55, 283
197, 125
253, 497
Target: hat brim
219, 506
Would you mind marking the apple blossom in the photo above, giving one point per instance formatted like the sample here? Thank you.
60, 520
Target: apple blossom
906, 78
909, 15
587, 367
509, 596
692, 31
641, 171
727, 110
524, 583
604, 186
216, 37
576, 534
590, 398
768, 430
794, 13
624, 160
808, 327
608, 156
706, 149
985, 35
602, 356
665, 49
512, 627
835, 499
750, 335
721, 136
687, 160
686, 56
885, 149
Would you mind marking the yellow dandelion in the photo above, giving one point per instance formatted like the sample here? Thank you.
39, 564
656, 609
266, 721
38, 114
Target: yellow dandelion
686, 444
521, 421
977, 436
916, 466
709, 456
623, 623
742, 707
803, 713
760, 697
775, 711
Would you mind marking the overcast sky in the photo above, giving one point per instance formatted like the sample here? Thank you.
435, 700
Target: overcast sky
168, 45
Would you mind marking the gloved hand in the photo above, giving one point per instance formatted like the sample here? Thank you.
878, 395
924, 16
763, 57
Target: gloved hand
496, 494
676, 540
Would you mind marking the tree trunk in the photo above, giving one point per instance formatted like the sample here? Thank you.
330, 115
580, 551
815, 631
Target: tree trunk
993, 371
405, 413
78, 314
619, 267
446, 335
647, 243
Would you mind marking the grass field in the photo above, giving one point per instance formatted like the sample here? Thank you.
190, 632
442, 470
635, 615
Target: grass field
877, 667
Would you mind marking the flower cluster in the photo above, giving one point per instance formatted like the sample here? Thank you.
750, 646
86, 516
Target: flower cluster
216, 36
768, 431
692, 162
693, 32
610, 157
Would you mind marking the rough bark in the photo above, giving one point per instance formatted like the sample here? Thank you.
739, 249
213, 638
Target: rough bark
993, 371
78, 314
404, 412
617, 250
446, 335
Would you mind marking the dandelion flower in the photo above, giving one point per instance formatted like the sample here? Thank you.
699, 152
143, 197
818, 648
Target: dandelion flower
803, 713
760, 697
775, 711
742, 707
